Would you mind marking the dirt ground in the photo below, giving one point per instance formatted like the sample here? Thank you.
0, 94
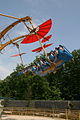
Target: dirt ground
19, 117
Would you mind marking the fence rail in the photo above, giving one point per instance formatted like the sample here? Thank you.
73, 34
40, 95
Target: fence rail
69, 110
54, 113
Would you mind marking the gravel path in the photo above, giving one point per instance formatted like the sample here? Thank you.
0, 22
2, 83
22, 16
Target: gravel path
19, 117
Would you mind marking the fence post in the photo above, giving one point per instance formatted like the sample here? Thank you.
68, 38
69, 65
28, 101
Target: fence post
1, 108
66, 114
53, 112
79, 114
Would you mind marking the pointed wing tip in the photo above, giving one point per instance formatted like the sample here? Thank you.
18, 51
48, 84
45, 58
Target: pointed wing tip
23, 42
12, 56
32, 50
50, 20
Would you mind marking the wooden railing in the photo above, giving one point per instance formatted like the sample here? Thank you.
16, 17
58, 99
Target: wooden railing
54, 113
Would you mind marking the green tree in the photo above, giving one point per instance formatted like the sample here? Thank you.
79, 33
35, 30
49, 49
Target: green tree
53, 80
40, 88
69, 77
64, 84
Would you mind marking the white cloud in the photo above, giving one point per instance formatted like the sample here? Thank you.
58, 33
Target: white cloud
4, 71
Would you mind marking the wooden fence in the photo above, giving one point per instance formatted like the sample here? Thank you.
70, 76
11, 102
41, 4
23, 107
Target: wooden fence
54, 113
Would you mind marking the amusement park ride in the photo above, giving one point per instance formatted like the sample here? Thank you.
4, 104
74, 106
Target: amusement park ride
46, 63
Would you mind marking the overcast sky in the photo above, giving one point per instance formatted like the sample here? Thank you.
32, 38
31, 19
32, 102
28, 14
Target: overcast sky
65, 15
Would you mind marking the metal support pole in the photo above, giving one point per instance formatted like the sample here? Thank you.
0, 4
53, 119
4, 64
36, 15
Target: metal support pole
19, 52
42, 46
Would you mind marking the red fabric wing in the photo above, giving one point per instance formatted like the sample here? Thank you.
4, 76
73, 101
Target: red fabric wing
17, 55
44, 28
46, 38
30, 39
40, 48
37, 49
40, 32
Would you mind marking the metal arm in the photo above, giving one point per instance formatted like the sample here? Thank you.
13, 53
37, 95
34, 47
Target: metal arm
2, 46
24, 19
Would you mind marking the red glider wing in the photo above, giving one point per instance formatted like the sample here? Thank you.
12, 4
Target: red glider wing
40, 48
46, 38
39, 32
17, 55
